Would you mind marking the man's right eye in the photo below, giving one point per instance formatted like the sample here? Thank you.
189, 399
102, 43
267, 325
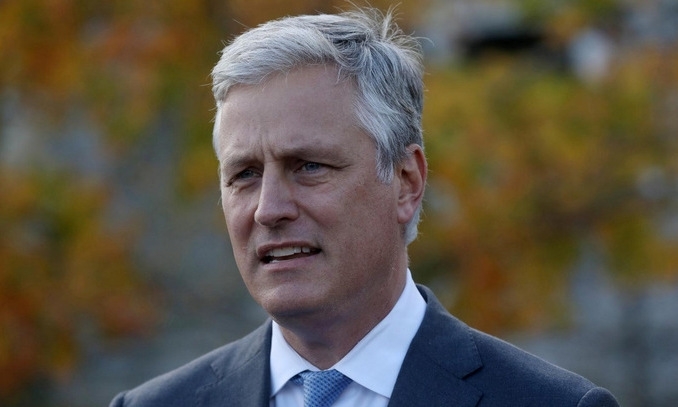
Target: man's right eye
248, 173
242, 176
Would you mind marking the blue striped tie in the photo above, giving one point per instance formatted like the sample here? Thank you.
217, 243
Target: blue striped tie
323, 388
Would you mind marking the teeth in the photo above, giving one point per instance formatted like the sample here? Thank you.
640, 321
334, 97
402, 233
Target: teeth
287, 251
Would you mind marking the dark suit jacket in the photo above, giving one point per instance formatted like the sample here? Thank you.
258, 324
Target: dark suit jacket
447, 364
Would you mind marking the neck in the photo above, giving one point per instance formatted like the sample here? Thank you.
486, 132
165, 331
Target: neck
324, 340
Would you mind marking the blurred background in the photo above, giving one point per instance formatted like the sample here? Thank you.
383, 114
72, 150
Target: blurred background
551, 217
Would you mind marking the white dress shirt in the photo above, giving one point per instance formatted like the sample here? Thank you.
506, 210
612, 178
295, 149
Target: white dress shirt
373, 364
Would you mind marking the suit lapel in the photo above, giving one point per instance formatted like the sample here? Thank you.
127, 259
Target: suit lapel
441, 355
242, 378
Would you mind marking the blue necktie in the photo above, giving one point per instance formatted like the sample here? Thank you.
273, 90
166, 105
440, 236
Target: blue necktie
323, 388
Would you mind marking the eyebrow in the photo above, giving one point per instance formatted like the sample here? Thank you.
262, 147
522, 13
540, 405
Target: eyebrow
312, 152
234, 161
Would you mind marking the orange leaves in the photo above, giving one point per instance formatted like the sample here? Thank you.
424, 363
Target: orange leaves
115, 60
60, 266
527, 167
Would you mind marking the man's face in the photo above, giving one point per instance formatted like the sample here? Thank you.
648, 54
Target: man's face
314, 231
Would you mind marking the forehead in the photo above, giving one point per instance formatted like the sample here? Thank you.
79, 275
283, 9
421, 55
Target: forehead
309, 104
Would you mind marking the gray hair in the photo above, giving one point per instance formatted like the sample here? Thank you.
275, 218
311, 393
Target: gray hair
367, 47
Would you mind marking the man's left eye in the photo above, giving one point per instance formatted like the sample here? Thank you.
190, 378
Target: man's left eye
311, 166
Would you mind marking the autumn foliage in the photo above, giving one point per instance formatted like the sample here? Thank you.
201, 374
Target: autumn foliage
59, 266
533, 171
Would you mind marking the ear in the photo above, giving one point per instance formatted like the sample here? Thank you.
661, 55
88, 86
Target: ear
411, 176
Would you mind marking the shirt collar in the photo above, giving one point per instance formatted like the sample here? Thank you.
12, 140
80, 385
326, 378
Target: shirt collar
375, 361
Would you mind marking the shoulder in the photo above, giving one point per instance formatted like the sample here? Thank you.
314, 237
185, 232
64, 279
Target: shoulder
180, 386
502, 372
510, 373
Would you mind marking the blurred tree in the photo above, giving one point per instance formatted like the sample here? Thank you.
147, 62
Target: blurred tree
59, 266
528, 166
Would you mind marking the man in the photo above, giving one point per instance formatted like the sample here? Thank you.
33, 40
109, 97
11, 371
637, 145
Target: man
318, 136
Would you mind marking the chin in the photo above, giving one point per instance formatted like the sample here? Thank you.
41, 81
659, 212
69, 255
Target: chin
286, 307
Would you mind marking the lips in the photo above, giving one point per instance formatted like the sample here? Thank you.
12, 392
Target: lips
287, 253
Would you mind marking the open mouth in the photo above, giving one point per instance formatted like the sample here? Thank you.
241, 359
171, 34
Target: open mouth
288, 253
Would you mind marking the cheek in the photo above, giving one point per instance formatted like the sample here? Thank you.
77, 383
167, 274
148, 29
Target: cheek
359, 214
237, 219
236, 226
374, 200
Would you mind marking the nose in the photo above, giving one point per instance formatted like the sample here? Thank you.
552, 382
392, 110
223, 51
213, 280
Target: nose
276, 200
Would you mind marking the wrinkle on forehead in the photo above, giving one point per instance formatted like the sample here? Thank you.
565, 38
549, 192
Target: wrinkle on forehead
283, 79
239, 106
